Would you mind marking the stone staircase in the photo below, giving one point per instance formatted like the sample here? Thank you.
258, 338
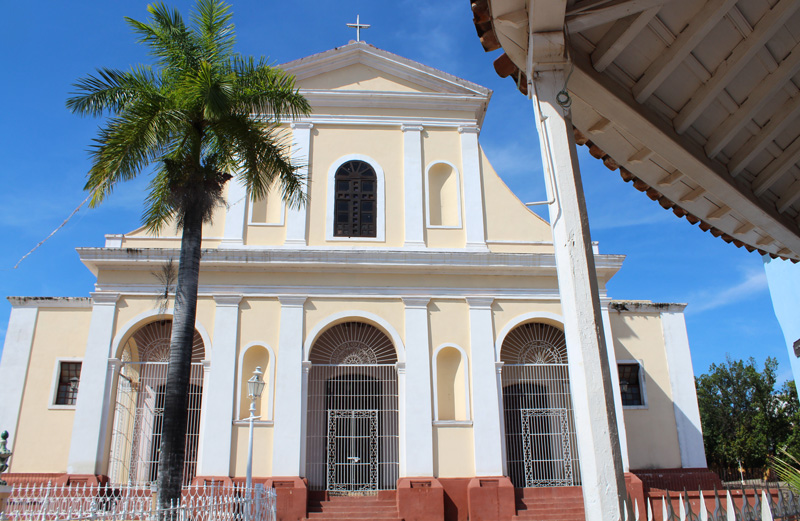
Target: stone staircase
382, 506
549, 504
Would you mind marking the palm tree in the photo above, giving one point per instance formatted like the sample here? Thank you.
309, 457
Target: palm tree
200, 116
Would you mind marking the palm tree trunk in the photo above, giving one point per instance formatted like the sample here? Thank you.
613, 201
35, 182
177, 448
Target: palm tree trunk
176, 398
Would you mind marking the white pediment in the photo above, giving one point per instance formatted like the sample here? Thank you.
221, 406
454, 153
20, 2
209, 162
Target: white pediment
362, 67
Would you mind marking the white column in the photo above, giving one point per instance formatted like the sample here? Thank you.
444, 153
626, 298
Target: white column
301, 154
614, 372
412, 186
684, 395
418, 434
590, 379
14, 367
92, 407
233, 235
289, 398
219, 395
487, 419
473, 188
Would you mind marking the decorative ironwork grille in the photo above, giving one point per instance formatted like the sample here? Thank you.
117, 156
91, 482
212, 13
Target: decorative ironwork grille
356, 212
541, 449
139, 410
352, 424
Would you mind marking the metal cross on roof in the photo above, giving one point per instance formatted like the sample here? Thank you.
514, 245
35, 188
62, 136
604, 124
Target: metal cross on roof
358, 26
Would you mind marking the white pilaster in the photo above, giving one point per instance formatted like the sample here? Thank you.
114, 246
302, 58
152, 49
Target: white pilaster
684, 395
418, 434
289, 403
614, 372
301, 154
92, 407
486, 397
602, 473
473, 188
14, 367
412, 183
237, 202
219, 395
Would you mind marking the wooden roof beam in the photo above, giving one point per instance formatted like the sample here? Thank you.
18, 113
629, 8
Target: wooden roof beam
788, 199
755, 102
619, 37
591, 13
782, 117
769, 24
684, 43
779, 166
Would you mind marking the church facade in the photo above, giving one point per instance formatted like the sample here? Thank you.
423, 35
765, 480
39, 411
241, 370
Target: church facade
407, 322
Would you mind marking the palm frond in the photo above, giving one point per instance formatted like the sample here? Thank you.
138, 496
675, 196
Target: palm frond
111, 90
787, 469
160, 205
212, 20
167, 37
266, 90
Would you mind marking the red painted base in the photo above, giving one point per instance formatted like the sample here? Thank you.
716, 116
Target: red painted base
490, 499
420, 499
292, 497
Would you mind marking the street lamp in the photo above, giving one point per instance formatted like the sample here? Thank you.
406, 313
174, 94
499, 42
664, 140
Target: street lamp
255, 386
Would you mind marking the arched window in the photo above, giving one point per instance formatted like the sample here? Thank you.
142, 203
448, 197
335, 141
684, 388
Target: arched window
355, 213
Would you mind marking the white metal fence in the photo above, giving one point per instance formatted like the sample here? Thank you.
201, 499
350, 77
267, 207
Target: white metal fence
752, 507
138, 503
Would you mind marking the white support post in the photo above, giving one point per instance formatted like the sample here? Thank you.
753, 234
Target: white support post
486, 397
301, 154
233, 234
412, 186
473, 188
216, 419
602, 474
612, 366
289, 397
684, 395
88, 448
418, 435
14, 367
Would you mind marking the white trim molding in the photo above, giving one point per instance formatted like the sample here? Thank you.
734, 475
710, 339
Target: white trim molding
412, 185
435, 387
380, 200
14, 366
145, 318
459, 195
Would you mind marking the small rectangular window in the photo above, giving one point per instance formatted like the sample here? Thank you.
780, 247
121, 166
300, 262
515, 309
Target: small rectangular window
69, 377
630, 384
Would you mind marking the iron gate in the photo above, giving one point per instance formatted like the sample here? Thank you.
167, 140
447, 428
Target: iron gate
541, 449
352, 428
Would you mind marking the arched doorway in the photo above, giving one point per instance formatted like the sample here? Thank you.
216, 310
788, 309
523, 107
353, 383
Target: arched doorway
352, 424
541, 449
139, 410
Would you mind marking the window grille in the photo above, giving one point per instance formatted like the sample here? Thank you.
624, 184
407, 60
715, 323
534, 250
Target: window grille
630, 384
356, 209
541, 445
69, 375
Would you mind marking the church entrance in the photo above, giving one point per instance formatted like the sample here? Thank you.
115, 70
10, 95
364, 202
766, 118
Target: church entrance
352, 424
541, 449
139, 411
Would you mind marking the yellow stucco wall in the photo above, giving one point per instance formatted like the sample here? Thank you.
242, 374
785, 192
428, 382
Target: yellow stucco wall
44, 433
652, 432
453, 452
359, 77
262, 450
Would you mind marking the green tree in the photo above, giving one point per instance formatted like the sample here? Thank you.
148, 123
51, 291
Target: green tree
199, 116
745, 419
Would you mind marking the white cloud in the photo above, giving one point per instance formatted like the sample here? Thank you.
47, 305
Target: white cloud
754, 282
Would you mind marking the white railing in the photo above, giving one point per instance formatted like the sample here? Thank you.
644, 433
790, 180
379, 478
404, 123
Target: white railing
763, 507
138, 503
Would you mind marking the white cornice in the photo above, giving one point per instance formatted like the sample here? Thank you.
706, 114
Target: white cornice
372, 260
644, 306
50, 302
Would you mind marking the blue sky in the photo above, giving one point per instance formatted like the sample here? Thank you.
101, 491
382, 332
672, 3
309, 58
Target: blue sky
51, 44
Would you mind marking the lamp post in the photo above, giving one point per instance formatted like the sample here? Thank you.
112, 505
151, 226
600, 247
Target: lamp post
255, 386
